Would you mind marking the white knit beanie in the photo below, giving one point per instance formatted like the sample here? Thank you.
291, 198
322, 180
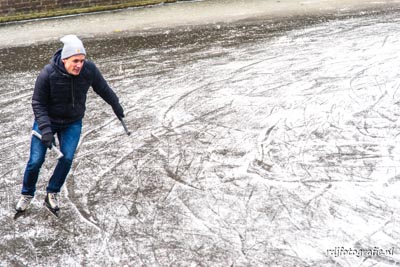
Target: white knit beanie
72, 46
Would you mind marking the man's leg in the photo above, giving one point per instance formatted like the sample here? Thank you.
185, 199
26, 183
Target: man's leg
36, 159
69, 140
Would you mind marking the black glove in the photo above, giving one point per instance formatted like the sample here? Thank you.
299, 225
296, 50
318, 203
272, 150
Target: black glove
48, 140
119, 111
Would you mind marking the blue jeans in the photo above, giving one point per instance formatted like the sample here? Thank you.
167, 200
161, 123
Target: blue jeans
68, 136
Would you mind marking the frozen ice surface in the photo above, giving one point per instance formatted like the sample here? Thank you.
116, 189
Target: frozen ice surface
249, 148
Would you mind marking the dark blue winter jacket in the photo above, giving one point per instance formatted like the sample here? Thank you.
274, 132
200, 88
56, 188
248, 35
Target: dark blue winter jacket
60, 98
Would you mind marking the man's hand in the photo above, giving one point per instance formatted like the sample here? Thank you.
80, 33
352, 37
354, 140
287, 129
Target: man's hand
119, 111
48, 140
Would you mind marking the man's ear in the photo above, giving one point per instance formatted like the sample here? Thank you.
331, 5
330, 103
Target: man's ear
63, 61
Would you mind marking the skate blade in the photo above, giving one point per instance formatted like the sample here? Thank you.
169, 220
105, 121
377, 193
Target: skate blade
19, 213
53, 212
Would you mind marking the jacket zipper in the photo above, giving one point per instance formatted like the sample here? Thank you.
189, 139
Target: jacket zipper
73, 92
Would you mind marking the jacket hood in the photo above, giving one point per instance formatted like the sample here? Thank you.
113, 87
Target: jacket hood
58, 64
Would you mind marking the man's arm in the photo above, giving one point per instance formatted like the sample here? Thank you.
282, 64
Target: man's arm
101, 87
40, 102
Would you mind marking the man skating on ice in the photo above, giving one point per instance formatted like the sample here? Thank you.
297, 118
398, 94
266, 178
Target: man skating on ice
59, 103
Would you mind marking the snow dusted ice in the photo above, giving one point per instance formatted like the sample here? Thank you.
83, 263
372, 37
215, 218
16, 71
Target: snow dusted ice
250, 146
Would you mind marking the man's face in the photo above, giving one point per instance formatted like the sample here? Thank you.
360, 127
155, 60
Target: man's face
74, 64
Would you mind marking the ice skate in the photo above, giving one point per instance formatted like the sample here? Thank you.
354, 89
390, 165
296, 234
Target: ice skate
22, 205
51, 203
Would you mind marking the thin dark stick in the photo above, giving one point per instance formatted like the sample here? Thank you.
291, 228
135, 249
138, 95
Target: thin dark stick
125, 128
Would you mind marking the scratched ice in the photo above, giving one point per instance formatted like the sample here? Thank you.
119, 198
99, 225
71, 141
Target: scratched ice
260, 152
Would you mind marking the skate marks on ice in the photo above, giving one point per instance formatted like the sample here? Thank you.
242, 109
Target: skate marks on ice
267, 153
